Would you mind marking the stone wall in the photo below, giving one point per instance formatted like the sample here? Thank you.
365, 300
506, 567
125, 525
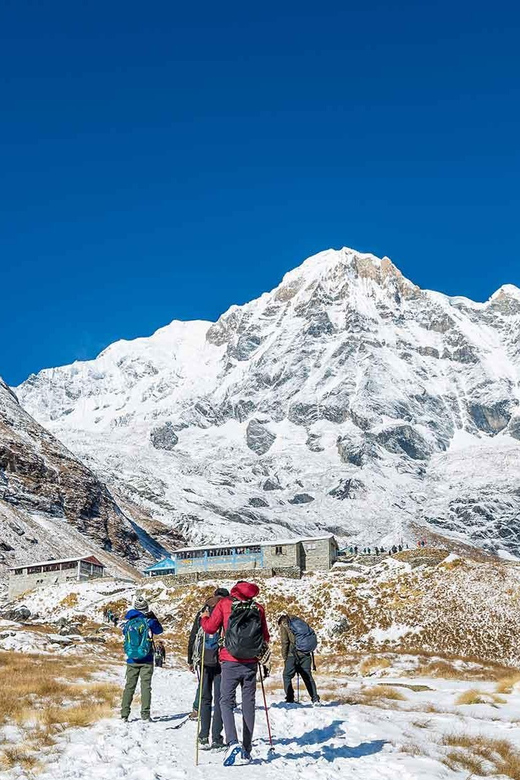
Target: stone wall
290, 556
171, 580
318, 555
21, 583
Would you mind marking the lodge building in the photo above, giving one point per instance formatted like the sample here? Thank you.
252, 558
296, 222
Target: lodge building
305, 554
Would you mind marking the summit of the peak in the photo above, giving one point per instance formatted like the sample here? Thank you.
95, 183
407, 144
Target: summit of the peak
334, 268
506, 291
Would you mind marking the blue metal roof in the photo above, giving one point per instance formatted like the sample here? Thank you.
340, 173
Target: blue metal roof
166, 563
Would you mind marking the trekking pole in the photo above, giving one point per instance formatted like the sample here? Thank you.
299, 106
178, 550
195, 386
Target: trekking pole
271, 749
200, 699
298, 687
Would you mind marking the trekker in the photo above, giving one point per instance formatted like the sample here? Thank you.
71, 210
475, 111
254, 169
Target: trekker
159, 653
298, 642
140, 625
211, 676
194, 663
245, 637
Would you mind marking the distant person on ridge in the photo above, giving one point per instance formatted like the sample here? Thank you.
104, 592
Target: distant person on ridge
298, 642
245, 637
140, 625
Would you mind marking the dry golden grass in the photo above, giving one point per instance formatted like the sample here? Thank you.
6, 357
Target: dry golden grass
482, 755
45, 694
16, 756
474, 696
376, 692
374, 663
70, 601
506, 684
77, 716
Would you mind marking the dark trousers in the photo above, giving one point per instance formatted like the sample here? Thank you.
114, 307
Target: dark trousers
233, 675
210, 695
299, 663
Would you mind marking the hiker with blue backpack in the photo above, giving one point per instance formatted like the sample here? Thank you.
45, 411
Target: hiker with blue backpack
298, 642
139, 627
203, 650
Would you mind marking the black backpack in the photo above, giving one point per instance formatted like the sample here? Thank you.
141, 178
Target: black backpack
244, 636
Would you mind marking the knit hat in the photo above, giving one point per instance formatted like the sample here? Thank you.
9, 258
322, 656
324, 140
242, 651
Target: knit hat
141, 604
223, 592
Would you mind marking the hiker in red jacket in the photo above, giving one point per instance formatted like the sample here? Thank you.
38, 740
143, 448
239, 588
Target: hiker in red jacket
245, 636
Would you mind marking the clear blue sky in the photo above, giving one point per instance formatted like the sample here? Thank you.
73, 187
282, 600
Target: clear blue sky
163, 160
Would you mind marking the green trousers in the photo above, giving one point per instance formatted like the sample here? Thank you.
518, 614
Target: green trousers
133, 672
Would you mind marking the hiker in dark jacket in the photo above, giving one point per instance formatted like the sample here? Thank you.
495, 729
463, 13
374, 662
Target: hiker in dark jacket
237, 671
194, 667
159, 653
210, 677
141, 667
296, 662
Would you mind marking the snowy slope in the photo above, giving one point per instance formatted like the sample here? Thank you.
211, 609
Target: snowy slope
346, 400
53, 506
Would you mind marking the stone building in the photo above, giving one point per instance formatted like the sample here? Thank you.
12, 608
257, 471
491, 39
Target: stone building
305, 554
30, 576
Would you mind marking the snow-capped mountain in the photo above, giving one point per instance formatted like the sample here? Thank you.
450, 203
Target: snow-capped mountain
51, 505
346, 400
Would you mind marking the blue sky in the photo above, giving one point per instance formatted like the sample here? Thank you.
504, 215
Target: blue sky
166, 160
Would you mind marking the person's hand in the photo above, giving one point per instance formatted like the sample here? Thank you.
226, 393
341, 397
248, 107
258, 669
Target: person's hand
192, 668
205, 612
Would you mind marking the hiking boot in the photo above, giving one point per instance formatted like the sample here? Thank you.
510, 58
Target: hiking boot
244, 758
194, 715
204, 743
218, 744
124, 718
146, 718
316, 703
233, 752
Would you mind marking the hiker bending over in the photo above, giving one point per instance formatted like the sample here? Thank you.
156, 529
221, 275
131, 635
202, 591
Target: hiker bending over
211, 675
139, 626
245, 637
298, 643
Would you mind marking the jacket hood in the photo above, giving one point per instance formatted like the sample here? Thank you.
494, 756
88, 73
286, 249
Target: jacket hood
213, 601
245, 590
133, 613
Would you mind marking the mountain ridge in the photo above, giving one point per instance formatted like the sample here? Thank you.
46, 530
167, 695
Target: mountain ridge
332, 402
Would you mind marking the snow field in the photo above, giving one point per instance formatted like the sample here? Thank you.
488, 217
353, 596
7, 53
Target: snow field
336, 740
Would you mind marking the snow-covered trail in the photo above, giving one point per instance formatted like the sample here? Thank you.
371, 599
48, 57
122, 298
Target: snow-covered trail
327, 742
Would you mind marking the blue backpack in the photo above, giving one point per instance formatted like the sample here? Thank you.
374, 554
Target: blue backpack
305, 639
138, 642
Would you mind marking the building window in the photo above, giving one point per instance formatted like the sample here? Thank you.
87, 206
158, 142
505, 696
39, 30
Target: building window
311, 547
34, 570
52, 567
69, 565
278, 550
18, 571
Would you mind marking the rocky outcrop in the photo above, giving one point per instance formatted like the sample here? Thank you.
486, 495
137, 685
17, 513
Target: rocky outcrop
164, 437
40, 478
259, 438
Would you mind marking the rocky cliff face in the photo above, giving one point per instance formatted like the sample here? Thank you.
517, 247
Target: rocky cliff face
392, 410
51, 505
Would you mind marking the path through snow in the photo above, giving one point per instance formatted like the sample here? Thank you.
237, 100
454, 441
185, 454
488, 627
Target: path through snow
333, 741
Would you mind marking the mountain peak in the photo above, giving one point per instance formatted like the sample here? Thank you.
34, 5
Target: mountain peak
336, 268
506, 291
